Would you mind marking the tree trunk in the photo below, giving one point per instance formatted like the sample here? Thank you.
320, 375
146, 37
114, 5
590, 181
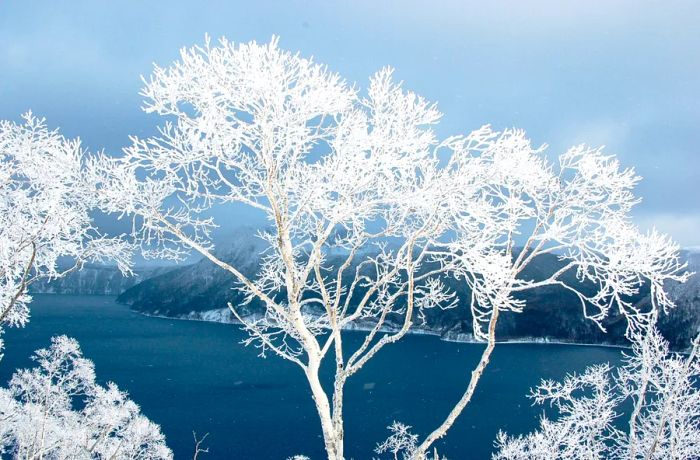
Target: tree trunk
338, 414
441, 431
333, 441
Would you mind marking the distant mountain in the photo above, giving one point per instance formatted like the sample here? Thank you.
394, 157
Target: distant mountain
682, 324
95, 279
197, 287
202, 290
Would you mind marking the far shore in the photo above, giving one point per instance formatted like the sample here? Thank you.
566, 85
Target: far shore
415, 331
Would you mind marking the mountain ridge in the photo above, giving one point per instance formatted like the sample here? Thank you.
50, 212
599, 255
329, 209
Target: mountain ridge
201, 291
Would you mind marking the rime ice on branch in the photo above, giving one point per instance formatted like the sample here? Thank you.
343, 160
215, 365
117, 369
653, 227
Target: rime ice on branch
369, 212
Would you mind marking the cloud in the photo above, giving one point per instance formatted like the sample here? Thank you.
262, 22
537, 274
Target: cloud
684, 228
600, 72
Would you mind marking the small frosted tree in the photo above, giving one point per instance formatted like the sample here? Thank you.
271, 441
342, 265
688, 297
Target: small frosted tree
58, 411
369, 212
401, 444
45, 205
654, 392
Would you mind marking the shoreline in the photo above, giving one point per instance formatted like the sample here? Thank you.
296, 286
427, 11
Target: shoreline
519, 341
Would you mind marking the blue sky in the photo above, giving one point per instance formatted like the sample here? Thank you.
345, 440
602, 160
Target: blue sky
620, 74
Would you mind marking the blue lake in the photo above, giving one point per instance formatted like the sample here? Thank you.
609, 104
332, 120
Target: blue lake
195, 376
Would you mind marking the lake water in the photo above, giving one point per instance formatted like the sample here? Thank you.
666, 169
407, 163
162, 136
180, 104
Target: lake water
195, 376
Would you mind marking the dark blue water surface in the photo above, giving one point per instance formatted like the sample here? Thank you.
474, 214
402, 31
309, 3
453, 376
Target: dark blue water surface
195, 376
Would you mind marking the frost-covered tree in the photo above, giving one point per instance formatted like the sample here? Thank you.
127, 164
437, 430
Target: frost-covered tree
654, 395
369, 212
45, 205
46, 201
58, 411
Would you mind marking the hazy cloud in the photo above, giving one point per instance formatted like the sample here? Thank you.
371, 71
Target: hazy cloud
619, 73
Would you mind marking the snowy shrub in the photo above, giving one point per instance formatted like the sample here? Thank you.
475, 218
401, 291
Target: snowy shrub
58, 411
661, 390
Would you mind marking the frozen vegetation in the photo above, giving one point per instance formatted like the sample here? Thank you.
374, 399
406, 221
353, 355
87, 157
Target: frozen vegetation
373, 220
371, 214
654, 391
58, 411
